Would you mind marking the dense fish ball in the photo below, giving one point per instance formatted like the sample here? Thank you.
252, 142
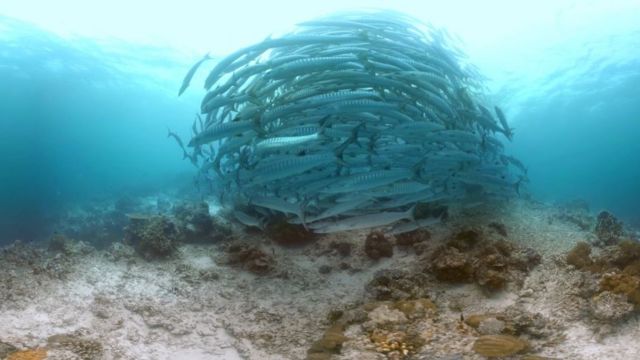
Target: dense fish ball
350, 122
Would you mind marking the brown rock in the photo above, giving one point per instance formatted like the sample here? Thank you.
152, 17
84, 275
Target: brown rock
412, 237
377, 246
286, 234
251, 258
451, 265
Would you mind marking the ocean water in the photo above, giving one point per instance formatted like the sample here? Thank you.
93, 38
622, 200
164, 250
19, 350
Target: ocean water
87, 95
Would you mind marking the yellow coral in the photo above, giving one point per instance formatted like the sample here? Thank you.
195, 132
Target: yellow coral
389, 342
30, 354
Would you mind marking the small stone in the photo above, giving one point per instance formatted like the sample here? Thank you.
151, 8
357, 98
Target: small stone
526, 293
324, 269
491, 326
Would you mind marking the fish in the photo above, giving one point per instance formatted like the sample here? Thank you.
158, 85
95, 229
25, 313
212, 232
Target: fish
401, 228
220, 131
506, 130
349, 122
191, 72
248, 220
363, 221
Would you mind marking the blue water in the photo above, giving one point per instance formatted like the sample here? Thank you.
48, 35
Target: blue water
85, 118
82, 120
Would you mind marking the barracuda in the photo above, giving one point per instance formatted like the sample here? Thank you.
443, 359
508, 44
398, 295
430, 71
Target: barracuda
349, 122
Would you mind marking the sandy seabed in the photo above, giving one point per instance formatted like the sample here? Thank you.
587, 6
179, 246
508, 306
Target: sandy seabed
113, 304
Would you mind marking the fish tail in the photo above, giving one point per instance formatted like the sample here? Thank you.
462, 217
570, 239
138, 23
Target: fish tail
411, 213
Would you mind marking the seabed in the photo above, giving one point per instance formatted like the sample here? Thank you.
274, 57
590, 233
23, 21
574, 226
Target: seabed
509, 285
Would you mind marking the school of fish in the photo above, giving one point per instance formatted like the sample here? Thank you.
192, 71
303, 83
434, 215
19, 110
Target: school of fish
350, 122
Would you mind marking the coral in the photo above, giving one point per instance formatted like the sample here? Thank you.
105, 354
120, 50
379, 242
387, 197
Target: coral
377, 246
411, 238
499, 345
391, 326
341, 247
608, 229
451, 265
58, 243
580, 256
500, 228
470, 257
621, 283
30, 354
395, 344
626, 256
610, 307
151, 236
616, 269
286, 234
251, 258
512, 321
196, 225
397, 285
415, 308
21, 254
330, 343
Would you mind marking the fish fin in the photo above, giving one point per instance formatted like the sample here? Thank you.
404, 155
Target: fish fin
412, 213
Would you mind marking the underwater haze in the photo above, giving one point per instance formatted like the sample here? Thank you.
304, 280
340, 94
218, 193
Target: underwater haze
88, 92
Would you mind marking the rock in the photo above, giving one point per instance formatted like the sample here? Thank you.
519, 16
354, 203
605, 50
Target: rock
413, 237
608, 229
251, 258
196, 225
59, 244
580, 256
330, 343
468, 257
499, 345
621, 283
152, 237
417, 308
475, 320
377, 246
324, 269
397, 285
341, 247
285, 234
451, 265
611, 307
500, 228
384, 314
